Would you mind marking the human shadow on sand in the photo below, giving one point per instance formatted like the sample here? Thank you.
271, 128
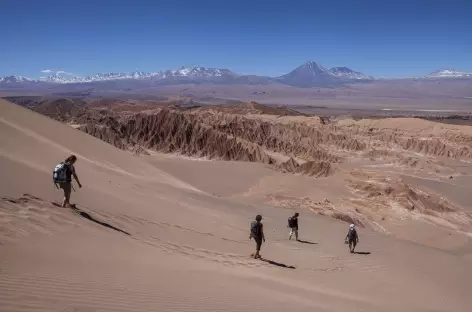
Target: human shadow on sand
278, 264
87, 216
306, 242
362, 252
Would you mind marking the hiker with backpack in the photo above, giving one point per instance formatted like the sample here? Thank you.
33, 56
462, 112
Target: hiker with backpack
293, 225
257, 232
352, 238
62, 177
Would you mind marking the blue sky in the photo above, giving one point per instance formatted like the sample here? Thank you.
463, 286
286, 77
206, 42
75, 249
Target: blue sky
377, 37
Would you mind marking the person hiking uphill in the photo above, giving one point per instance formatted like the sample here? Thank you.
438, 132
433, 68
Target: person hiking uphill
62, 177
257, 232
293, 225
352, 238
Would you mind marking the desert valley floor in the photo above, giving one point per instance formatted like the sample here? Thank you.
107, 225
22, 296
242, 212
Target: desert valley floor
162, 221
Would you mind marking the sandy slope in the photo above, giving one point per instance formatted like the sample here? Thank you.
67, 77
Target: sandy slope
185, 249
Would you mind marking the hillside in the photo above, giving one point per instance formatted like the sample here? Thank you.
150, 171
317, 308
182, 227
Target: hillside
371, 163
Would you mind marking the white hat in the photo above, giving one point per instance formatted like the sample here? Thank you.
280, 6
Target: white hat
352, 226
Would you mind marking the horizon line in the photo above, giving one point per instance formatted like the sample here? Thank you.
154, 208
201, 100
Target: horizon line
68, 74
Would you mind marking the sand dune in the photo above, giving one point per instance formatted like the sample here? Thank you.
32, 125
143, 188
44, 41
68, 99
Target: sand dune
157, 233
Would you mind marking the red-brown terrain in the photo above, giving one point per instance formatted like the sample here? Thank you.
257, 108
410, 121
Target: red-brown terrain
370, 160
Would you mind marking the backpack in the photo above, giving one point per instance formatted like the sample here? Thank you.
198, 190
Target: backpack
255, 229
352, 233
291, 222
59, 174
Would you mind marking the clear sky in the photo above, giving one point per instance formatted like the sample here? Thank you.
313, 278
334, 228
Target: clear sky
377, 37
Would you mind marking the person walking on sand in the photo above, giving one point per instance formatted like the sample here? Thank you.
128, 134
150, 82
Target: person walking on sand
62, 176
352, 238
293, 225
257, 232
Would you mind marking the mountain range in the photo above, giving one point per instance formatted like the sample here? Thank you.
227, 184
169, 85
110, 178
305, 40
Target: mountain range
308, 74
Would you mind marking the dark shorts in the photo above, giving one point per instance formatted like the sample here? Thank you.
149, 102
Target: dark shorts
258, 243
67, 188
352, 242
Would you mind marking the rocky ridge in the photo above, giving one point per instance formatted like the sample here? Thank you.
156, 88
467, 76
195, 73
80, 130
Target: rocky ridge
291, 142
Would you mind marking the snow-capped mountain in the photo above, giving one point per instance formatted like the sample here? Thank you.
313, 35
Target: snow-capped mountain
65, 78
449, 73
118, 76
57, 78
197, 72
347, 73
311, 69
15, 79
181, 72
308, 74
311, 73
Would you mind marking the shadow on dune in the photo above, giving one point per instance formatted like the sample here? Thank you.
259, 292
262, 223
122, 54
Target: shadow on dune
87, 216
362, 252
278, 264
306, 242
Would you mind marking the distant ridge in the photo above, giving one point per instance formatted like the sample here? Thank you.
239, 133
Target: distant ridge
449, 73
308, 74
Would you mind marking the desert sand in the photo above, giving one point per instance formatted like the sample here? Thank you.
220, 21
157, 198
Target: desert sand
169, 232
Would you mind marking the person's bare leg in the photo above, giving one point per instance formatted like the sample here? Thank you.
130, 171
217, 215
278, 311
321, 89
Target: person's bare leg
258, 248
66, 201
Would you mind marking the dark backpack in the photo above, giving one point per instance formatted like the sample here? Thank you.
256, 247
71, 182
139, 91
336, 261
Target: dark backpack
352, 233
255, 229
59, 174
291, 222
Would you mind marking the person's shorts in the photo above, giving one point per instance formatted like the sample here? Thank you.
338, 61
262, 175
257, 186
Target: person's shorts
352, 242
258, 243
67, 187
